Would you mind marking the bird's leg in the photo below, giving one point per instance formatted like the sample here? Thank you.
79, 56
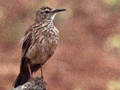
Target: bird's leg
41, 71
30, 71
42, 75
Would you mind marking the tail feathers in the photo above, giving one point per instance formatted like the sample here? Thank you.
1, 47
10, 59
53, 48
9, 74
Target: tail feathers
22, 78
24, 74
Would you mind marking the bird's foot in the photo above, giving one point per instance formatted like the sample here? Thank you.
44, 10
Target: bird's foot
42, 78
45, 83
31, 78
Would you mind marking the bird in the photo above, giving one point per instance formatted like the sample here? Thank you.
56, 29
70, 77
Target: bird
38, 44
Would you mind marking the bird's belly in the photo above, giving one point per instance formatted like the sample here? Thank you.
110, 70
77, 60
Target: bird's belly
42, 51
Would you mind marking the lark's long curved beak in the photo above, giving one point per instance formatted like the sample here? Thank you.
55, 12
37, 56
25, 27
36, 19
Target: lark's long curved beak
59, 10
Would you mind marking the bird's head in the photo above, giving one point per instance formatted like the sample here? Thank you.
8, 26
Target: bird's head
46, 13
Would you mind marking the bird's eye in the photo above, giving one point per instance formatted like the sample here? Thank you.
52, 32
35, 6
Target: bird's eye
46, 11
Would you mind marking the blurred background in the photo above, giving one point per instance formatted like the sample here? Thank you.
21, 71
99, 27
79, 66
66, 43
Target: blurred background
88, 54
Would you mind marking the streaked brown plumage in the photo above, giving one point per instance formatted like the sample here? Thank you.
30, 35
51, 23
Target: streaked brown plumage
38, 44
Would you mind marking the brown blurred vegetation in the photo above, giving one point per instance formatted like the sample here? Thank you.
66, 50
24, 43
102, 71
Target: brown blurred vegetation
88, 54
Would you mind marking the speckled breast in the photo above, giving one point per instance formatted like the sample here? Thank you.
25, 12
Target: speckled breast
43, 48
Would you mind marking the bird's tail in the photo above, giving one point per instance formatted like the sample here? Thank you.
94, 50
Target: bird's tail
24, 74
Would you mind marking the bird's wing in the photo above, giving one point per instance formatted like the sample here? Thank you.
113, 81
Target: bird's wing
24, 74
26, 42
29, 39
